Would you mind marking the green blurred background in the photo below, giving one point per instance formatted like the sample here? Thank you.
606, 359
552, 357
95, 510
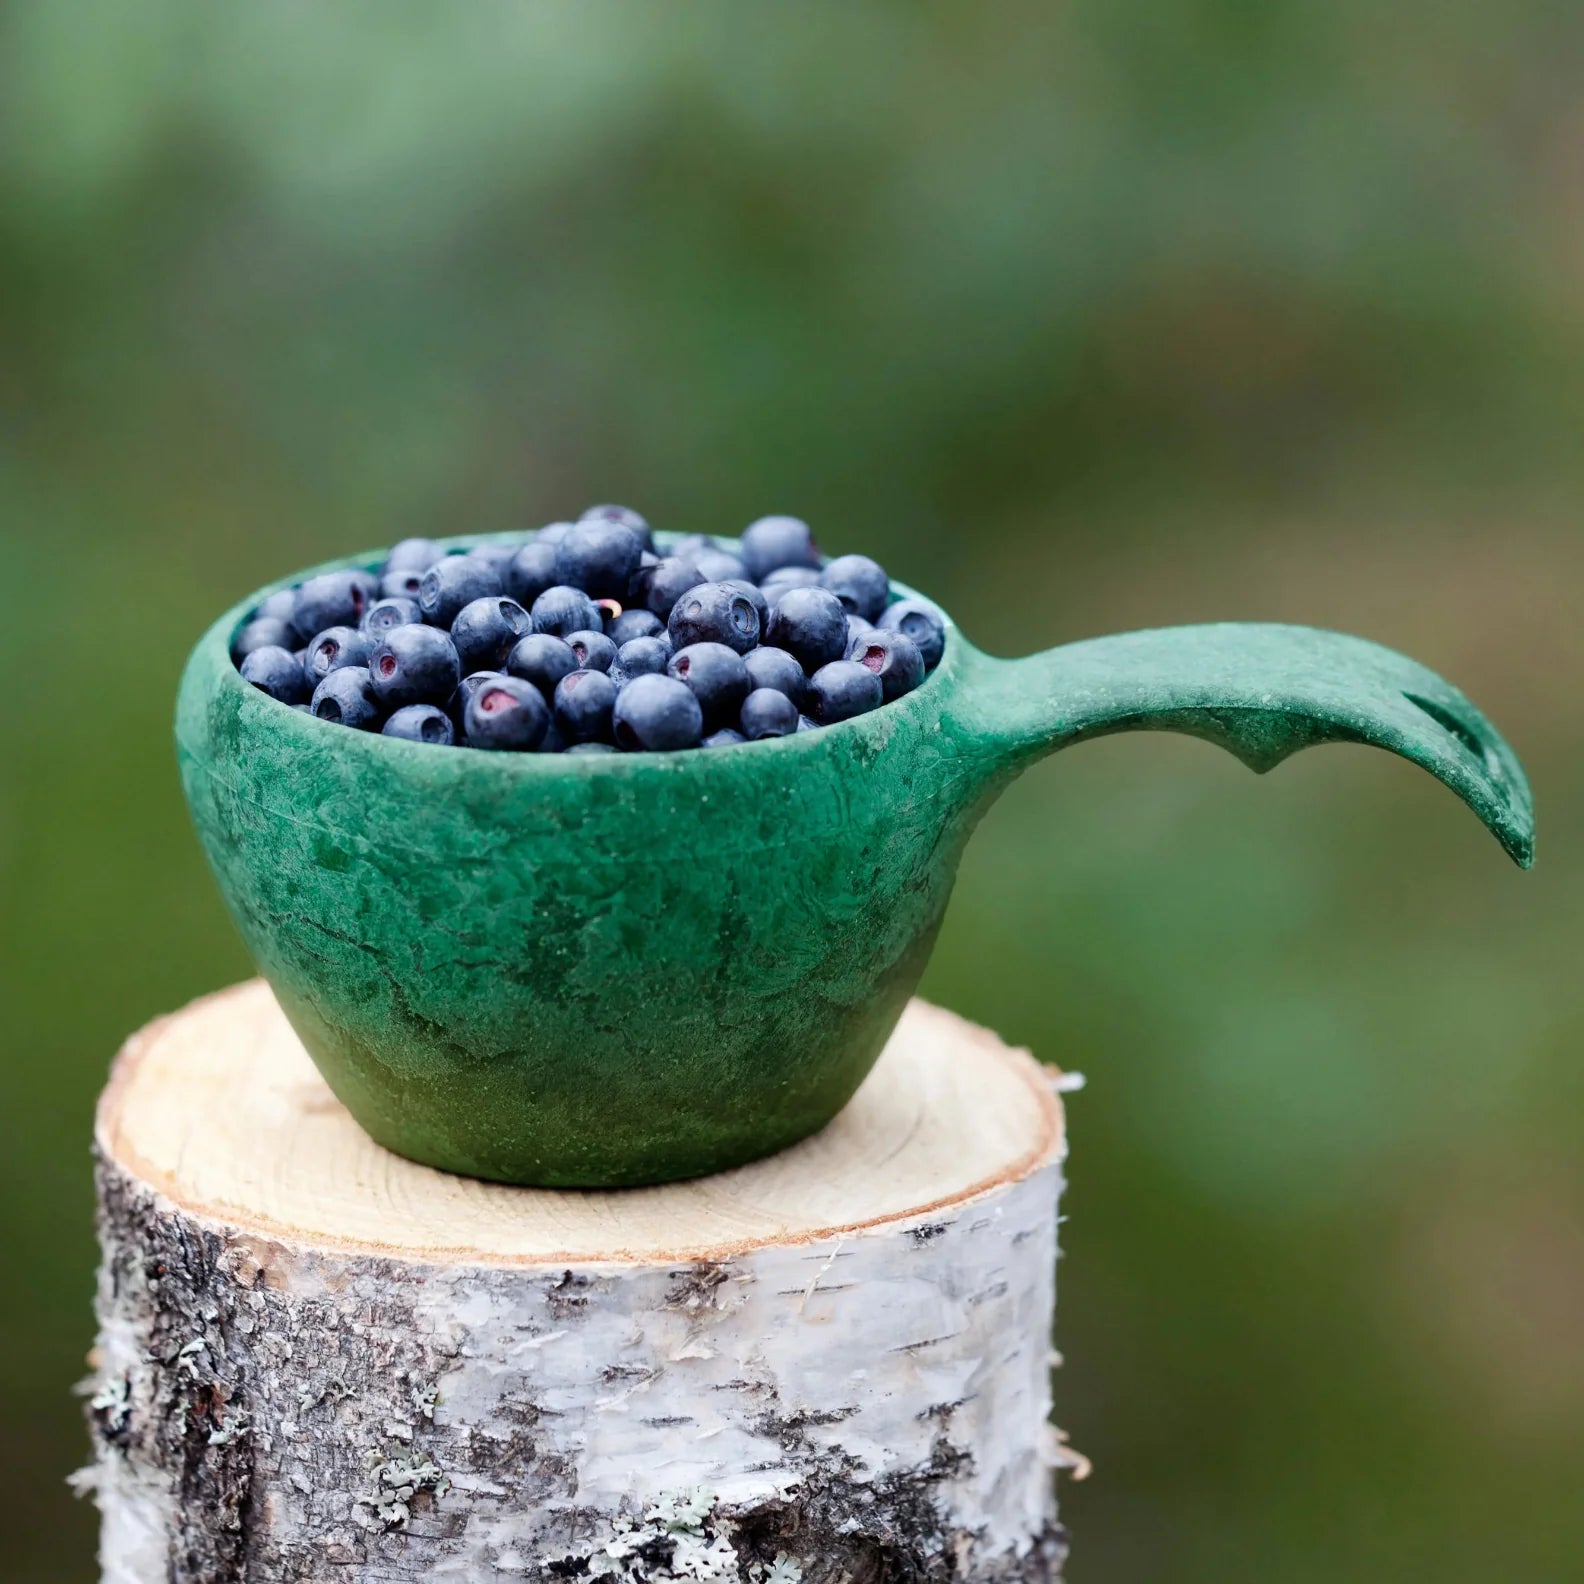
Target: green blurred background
1079, 317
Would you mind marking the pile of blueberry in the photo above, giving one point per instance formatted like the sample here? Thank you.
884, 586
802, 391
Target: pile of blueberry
583, 639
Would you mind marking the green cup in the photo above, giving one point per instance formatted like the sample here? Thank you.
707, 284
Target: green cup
599, 971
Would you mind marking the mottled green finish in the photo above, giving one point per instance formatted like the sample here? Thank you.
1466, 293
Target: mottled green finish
604, 971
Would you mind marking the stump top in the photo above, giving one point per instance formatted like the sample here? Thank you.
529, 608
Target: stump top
219, 1108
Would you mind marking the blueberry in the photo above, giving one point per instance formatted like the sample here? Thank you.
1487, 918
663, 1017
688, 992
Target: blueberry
531, 572
594, 651
717, 677
263, 632
451, 583
720, 566
497, 557
842, 689
456, 707
384, 614
767, 713
552, 533
810, 624
333, 648
891, 656
640, 657
561, 610
583, 704
859, 583
414, 665
714, 613
624, 515
507, 715
922, 623
726, 737
486, 631
346, 698
691, 546
593, 748
857, 628
421, 723
334, 599
784, 578
634, 624
657, 712
777, 542
413, 555
659, 587
599, 556
280, 605
755, 597
401, 585
769, 667
542, 659
275, 671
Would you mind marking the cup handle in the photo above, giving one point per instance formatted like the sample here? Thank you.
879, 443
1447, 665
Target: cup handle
1262, 691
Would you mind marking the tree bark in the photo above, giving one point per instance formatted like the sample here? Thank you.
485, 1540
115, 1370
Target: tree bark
317, 1361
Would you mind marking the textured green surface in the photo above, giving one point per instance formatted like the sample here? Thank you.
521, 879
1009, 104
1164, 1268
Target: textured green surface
608, 971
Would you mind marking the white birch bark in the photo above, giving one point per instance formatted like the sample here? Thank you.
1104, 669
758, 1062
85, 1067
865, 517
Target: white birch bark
319, 1362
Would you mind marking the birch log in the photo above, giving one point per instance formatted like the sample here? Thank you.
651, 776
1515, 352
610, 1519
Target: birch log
318, 1361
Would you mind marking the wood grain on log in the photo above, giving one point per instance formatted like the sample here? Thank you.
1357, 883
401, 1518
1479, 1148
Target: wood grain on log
319, 1361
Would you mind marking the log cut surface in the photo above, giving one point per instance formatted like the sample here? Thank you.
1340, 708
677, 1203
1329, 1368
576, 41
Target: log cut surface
320, 1361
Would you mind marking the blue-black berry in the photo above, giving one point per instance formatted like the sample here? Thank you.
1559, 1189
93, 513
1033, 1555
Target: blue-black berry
384, 614
562, 609
346, 698
401, 585
334, 648
659, 587
767, 713
842, 689
532, 571
777, 542
414, 665
507, 715
657, 713
922, 623
413, 555
582, 706
634, 624
542, 659
720, 566
859, 583
641, 657
280, 605
453, 582
275, 671
334, 599
714, 613
594, 651
263, 632
786, 578
893, 657
497, 557
810, 624
487, 630
421, 723
599, 556
624, 515
717, 677
769, 667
